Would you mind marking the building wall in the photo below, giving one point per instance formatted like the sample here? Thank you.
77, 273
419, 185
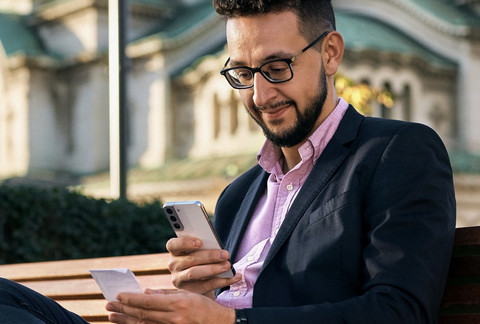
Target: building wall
221, 126
420, 97
55, 115
14, 121
450, 40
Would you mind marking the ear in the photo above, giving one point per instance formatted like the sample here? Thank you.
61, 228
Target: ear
333, 47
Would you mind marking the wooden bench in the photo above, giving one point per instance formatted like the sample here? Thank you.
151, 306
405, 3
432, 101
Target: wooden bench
70, 283
461, 299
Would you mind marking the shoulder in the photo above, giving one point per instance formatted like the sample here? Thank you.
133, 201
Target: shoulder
359, 129
379, 129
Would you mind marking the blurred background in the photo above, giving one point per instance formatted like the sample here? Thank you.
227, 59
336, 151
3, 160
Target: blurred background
187, 134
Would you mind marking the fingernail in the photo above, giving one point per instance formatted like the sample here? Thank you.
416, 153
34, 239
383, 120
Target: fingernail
197, 243
224, 255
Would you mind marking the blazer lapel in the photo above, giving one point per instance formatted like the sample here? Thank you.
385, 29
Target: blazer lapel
331, 158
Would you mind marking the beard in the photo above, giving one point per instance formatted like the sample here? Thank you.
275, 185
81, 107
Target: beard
305, 122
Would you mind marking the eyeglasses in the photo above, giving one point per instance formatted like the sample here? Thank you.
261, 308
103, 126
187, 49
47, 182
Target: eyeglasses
275, 71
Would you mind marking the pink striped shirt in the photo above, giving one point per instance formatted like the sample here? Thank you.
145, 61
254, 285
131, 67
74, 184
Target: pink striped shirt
274, 205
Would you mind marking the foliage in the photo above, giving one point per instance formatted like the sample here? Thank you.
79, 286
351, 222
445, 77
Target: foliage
361, 95
38, 224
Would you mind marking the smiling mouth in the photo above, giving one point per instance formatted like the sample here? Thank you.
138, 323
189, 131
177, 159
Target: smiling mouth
276, 107
274, 113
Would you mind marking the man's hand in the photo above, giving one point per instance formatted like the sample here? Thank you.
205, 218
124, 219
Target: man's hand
168, 306
193, 269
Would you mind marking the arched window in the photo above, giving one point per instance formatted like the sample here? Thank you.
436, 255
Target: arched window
407, 102
386, 112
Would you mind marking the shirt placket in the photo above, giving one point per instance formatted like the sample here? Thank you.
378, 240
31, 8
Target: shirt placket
240, 288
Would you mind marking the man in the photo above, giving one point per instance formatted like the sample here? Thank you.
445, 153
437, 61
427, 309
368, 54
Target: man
346, 219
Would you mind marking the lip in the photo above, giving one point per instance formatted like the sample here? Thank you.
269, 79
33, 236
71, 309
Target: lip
275, 113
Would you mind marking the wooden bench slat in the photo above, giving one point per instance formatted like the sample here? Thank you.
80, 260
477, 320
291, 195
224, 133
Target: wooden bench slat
458, 319
467, 236
464, 266
87, 288
69, 269
467, 294
92, 310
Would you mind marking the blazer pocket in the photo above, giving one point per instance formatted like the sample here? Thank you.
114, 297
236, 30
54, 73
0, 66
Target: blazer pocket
345, 199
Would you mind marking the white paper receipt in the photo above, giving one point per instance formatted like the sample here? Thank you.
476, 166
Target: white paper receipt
114, 281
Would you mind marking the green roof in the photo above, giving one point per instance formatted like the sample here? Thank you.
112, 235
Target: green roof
156, 3
367, 33
153, 3
360, 32
449, 11
17, 38
184, 20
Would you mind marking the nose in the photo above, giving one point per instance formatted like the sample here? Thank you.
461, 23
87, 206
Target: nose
263, 91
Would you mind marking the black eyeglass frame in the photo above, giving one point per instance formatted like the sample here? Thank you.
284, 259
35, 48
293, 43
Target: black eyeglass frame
289, 61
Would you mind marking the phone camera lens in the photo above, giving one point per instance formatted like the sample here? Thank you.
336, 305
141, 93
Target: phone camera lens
173, 218
176, 225
169, 211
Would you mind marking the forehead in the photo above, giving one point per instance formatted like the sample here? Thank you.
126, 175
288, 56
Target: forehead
253, 38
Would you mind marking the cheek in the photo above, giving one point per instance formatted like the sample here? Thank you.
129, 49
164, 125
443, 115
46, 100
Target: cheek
247, 100
246, 96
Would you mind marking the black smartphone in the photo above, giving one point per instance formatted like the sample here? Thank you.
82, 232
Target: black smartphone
190, 219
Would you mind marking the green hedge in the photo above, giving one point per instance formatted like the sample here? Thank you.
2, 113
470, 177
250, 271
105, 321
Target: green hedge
39, 224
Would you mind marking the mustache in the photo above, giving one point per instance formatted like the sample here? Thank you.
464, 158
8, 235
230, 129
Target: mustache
275, 105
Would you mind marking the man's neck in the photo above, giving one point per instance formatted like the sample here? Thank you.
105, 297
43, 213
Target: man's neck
291, 157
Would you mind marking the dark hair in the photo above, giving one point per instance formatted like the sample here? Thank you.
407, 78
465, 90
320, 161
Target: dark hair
314, 16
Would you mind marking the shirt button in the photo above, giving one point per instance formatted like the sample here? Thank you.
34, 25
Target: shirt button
289, 187
250, 258
236, 294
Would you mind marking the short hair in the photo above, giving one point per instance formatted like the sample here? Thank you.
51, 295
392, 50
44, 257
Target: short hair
314, 16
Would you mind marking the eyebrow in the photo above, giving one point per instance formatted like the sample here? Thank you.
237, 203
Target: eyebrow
273, 56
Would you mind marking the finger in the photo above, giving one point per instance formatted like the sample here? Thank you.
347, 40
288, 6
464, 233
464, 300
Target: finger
124, 319
192, 271
205, 287
198, 275
182, 245
117, 318
158, 301
202, 257
161, 291
135, 308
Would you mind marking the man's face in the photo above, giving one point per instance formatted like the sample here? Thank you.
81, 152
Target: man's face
287, 112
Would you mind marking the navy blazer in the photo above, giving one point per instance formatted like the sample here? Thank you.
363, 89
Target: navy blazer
368, 238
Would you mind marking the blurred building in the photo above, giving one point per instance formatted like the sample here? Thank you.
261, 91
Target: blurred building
54, 78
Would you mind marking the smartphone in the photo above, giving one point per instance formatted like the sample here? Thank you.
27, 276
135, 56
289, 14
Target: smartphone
190, 219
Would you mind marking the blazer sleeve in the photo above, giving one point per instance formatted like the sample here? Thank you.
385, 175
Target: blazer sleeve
409, 221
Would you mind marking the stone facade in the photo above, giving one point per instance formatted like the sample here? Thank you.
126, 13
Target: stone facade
54, 115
